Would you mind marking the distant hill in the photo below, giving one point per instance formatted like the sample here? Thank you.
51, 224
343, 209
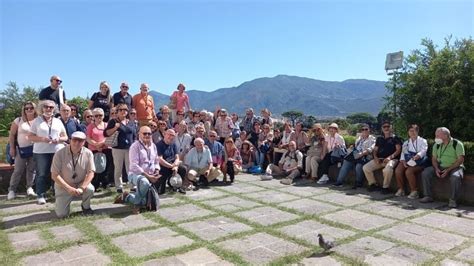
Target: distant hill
283, 93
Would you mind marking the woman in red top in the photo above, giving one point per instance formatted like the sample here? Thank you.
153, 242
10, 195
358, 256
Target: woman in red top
232, 164
179, 101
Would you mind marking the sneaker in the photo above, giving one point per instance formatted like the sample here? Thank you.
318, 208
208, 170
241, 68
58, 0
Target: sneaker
337, 185
323, 180
87, 212
400, 193
413, 195
286, 181
452, 204
373, 188
41, 201
266, 177
426, 200
11, 195
385, 191
30, 192
121, 198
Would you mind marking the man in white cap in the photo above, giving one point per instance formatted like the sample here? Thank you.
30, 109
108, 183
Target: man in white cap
72, 171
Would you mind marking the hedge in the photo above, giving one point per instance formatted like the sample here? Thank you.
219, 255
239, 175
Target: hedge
468, 149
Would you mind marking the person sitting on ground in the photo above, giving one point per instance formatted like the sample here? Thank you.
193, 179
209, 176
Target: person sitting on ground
232, 163
361, 154
217, 149
447, 159
247, 154
72, 171
183, 140
71, 124
386, 154
412, 162
316, 151
169, 162
334, 142
200, 166
144, 170
300, 137
224, 126
289, 166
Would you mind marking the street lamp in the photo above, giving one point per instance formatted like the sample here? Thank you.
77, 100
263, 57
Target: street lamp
393, 62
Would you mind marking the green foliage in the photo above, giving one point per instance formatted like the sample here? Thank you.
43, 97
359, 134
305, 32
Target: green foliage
82, 103
365, 118
469, 158
292, 115
12, 97
308, 121
350, 140
341, 122
435, 88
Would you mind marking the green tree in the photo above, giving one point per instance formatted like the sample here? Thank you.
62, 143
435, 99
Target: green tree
12, 99
358, 118
293, 115
435, 88
82, 103
309, 121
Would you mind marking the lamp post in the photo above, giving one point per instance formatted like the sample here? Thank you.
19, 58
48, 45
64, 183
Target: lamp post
393, 62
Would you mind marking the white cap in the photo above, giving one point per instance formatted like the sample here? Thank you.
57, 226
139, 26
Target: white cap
78, 135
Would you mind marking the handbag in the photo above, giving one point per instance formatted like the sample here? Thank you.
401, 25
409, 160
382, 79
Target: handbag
9, 158
100, 162
112, 140
25, 152
338, 155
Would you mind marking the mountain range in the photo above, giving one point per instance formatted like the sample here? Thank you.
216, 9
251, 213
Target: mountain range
283, 93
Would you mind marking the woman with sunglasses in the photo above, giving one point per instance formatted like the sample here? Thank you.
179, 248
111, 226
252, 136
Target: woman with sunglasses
49, 135
159, 130
87, 118
232, 163
96, 143
316, 151
102, 99
125, 139
361, 153
19, 141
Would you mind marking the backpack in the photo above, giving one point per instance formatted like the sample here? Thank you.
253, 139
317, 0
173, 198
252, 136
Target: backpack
152, 199
455, 143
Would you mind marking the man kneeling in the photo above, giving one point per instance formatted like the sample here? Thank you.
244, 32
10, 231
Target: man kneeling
144, 170
72, 171
290, 165
199, 162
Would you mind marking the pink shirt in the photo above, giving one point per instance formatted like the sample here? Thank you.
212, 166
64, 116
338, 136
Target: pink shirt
96, 134
181, 100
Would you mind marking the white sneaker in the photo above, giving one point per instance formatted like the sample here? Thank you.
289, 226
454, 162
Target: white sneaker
413, 195
266, 177
11, 195
323, 180
30, 192
400, 193
41, 201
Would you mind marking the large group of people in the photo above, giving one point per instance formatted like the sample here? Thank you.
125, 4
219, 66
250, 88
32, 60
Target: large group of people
120, 138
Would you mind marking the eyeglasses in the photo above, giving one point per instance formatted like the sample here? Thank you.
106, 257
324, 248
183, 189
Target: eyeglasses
122, 109
28, 108
386, 127
89, 116
133, 113
160, 124
98, 115
73, 110
146, 133
152, 126
212, 136
364, 129
48, 107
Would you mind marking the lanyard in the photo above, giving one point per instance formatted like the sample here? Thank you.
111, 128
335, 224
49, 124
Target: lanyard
416, 144
441, 151
50, 125
74, 163
199, 158
148, 153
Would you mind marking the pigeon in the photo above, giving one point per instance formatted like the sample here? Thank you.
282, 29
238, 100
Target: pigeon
324, 244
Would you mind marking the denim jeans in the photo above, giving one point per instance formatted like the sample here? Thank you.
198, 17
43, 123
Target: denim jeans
138, 198
346, 167
43, 172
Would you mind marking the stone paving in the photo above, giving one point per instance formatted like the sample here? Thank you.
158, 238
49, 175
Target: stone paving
249, 222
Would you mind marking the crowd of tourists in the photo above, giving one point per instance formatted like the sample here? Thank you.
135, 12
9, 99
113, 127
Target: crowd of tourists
121, 142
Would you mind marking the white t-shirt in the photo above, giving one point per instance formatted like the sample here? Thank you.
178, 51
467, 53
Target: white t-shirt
41, 128
23, 132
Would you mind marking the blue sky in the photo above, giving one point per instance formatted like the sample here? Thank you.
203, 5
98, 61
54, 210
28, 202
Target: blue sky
213, 44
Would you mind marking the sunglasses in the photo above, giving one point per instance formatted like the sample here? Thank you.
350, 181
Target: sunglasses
73, 110
212, 136
98, 115
124, 87
146, 133
386, 127
48, 107
122, 109
28, 108
89, 116
162, 124
364, 129
133, 113
58, 81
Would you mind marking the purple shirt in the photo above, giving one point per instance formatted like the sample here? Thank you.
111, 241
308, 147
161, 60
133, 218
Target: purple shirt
143, 159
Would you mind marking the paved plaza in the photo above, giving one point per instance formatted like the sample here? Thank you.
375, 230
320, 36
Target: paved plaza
249, 222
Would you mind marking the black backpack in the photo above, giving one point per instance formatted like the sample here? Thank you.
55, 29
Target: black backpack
152, 199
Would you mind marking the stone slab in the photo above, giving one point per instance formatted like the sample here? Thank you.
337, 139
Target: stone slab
213, 228
309, 206
462, 211
449, 223
261, 248
357, 219
266, 215
183, 212
309, 230
449, 262
109, 226
423, 236
274, 183
271, 196
467, 254
150, 242
66, 233
242, 188
27, 240
319, 261
232, 203
304, 190
77, 255
24, 207
363, 247
28, 219
204, 194
244, 177
390, 209
200, 256
399, 256
341, 199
